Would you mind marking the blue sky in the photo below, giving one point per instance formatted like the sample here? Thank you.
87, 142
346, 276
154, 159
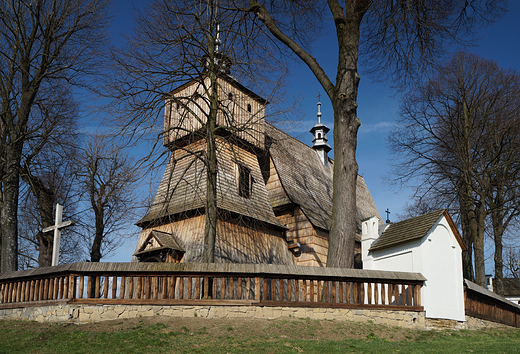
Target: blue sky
377, 104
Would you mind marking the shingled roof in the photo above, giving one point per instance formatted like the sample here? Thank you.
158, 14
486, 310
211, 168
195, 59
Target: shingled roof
413, 229
308, 183
166, 241
183, 188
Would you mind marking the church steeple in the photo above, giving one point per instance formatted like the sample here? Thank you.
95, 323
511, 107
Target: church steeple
222, 61
319, 141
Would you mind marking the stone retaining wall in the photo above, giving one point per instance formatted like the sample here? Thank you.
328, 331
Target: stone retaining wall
93, 313
74, 313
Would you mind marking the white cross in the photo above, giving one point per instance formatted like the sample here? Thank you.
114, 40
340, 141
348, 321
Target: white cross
58, 225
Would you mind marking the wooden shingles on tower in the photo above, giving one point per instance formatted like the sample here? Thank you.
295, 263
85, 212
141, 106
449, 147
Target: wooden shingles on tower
241, 112
247, 229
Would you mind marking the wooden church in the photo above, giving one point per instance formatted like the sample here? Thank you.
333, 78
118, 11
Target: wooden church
274, 193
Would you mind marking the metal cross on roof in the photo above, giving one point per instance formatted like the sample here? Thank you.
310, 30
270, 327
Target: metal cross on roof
387, 216
58, 225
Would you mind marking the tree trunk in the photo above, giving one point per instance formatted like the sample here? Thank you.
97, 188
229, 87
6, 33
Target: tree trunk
467, 256
95, 251
45, 199
210, 229
342, 233
9, 212
478, 245
497, 218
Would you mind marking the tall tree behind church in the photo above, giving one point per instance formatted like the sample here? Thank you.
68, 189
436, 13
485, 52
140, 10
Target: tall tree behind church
397, 39
40, 41
48, 174
457, 134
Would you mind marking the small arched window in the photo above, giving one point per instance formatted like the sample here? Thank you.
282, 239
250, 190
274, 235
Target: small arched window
249, 107
230, 96
319, 135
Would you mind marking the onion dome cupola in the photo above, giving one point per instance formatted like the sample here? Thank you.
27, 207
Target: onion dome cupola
319, 141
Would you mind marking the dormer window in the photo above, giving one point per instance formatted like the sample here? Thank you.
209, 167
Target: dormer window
244, 181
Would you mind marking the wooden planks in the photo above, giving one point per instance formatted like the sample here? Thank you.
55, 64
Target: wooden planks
216, 283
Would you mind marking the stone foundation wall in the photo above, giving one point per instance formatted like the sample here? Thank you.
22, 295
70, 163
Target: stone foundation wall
477, 323
74, 313
95, 313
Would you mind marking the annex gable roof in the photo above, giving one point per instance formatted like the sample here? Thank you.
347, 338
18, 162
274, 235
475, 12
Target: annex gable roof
414, 229
165, 241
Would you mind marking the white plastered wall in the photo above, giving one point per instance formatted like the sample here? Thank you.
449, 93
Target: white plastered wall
438, 257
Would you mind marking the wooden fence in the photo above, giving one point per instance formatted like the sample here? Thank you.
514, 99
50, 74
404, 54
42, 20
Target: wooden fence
482, 303
211, 284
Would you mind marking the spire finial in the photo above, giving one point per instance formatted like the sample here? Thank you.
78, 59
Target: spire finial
387, 216
319, 108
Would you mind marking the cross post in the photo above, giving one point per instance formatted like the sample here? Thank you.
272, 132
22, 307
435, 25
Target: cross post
58, 225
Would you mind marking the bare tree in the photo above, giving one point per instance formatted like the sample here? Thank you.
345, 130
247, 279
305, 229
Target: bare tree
455, 134
40, 41
108, 180
398, 38
47, 164
179, 43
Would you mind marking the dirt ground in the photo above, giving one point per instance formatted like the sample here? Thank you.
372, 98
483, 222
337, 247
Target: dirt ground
290, 328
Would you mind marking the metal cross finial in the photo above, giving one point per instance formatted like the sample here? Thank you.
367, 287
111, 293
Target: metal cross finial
387, 216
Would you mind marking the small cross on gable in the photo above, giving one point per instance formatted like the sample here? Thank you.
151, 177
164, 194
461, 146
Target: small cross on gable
387, 216
58, 225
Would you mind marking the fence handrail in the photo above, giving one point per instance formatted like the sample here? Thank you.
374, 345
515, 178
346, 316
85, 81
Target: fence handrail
215, 268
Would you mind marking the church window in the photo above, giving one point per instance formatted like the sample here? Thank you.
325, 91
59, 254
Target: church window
248, 107
178, 105
244, 181
319, 135
230, 96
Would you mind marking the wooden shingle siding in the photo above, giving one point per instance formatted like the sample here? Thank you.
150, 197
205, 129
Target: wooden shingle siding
233, 113
277, 195
313, 242
257, 205
238, 241
188, 232
183, 187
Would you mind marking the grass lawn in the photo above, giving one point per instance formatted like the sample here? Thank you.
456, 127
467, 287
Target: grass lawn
200, 335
